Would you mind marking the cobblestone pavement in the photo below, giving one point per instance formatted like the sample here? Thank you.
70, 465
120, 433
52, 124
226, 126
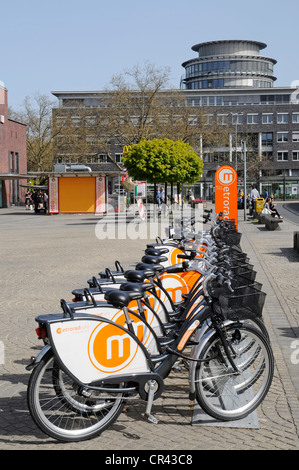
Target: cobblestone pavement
43, 258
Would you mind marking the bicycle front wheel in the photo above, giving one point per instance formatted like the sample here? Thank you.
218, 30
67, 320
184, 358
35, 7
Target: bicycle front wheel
223, 393
60, 411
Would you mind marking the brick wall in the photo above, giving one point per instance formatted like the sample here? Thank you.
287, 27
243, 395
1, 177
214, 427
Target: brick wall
13, 154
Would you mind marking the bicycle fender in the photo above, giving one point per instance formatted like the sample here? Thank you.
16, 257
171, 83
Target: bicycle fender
196, 351
35, 360
205, 336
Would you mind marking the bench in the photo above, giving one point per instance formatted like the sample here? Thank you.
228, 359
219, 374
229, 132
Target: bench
271, 222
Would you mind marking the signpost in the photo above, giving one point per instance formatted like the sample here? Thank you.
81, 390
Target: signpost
226, 193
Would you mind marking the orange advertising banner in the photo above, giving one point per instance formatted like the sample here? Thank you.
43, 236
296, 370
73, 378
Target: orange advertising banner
226, 193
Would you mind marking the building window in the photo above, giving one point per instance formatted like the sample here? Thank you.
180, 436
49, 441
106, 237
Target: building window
222, 119
237, 118
267, 119
76, 121
118, 157
296, 155
102, 158
267, 138
282, 118
252, 119
90, 121
295, 137
295, 118
192, 121
17, 160
282, 156
209, 118
282, 136
268, 155
12, 162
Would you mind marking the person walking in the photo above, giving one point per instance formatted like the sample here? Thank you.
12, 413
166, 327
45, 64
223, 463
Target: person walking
28, 200
254, 194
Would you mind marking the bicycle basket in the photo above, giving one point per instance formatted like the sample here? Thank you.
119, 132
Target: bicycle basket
239, 258
249, 274
242, 281
241, 268
231, 237
245, 303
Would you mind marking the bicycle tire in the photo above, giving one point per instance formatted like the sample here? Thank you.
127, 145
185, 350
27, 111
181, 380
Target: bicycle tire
220, 392
65, 419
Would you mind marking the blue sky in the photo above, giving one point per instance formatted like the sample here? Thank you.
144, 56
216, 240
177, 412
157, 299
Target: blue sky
71, 45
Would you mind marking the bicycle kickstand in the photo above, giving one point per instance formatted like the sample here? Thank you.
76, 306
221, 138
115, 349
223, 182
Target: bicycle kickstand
150, 399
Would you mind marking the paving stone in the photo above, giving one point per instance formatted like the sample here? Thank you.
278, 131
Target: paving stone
43, 258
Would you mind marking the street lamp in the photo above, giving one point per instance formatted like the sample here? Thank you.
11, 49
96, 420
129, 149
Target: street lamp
235, 117
245, 190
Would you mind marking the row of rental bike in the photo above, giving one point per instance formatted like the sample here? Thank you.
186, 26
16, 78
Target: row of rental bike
193, 299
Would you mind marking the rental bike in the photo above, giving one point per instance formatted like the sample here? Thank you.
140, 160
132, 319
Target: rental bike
91, 366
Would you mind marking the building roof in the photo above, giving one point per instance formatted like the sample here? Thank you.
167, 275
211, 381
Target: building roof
196, 47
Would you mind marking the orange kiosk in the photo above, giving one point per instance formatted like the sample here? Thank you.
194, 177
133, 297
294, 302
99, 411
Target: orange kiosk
71, 194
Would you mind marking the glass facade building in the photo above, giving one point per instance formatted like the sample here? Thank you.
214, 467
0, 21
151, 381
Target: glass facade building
229, 64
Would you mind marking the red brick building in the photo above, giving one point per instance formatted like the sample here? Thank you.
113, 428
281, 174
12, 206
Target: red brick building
13, 156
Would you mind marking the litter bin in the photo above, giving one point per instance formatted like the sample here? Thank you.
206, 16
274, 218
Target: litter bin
259, 204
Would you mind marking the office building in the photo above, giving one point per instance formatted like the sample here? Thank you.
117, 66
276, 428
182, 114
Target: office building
234, 84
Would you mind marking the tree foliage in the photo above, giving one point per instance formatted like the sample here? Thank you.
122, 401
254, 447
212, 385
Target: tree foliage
36, 113
163, 160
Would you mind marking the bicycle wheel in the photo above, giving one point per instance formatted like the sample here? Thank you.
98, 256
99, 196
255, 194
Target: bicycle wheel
61, 412
220, 391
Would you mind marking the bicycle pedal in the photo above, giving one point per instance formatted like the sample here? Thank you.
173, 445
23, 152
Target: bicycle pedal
151, 418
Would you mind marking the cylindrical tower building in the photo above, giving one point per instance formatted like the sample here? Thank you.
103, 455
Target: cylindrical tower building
229, 64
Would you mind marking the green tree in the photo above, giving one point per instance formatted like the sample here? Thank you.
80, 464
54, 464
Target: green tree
163, 160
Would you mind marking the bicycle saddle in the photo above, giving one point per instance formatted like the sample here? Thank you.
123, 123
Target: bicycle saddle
153, 259
156, 251
120, 298
139, 275
104, 281
157, 268
137, 287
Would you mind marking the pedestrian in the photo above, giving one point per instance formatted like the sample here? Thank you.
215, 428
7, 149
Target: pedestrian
40, 200
190, 195
46, 197
34, 200
158, 198
28, 200
254, 194
266, 195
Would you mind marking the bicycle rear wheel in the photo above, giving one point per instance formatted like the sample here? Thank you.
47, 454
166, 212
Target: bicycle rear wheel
60, 411
220, 391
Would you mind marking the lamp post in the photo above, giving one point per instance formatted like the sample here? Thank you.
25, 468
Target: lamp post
245, 190
235, 118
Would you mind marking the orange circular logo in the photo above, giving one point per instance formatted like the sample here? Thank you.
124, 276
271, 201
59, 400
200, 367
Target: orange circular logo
226, 175
110, 348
